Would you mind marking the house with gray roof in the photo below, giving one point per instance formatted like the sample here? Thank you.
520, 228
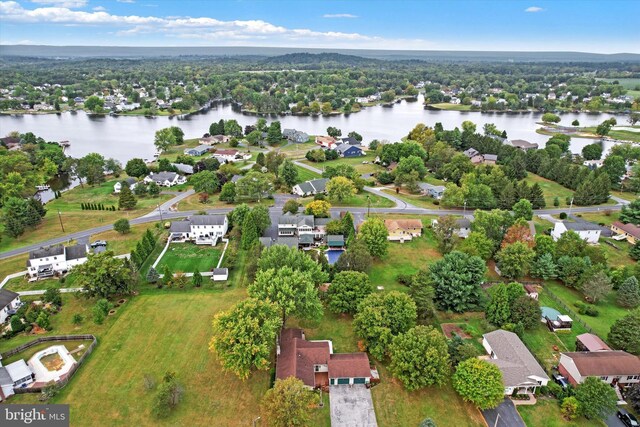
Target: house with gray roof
311, 188
524, 145
14, 375
587, 231
435, 191
521, 372
348, 150
200, 229
9, 303
57, 259
130, 182
165, 179
200, 150
295, 135
183, 168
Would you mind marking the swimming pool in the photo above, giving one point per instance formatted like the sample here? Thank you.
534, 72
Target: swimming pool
333, 255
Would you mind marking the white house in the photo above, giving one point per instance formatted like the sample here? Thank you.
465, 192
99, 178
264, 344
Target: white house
131, 182
520, 370
14, 375
435, 191
611, 366
587, 231
165, 179
230, 155
310, 188
201, 229
57, 259
9, 303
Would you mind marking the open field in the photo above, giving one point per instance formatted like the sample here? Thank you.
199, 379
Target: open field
356, 162
451, 107
149, 339
616, 134
550, 189
189, 257
627, 83
419, 200
358, 200
192, 203
546, 413
297, 151
306, 174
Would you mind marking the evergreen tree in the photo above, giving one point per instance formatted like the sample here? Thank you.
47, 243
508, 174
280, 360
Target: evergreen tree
536, 197
152, 275
167, 275
507, 197
629, 293
196, 279
127, 200
544, 267
634, 251
288, 173
249, 232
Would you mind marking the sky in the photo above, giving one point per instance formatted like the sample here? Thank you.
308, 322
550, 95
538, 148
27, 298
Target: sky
605, 26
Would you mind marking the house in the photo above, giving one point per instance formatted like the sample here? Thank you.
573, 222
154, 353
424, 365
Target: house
14, 375
350, 140
183, 168
315, 364
220, 274
346, 150
520, 370
335, 241
401, 230
490, 159
629, 231
532, 291
165, 179
310, 188
435, 191
524, 145
611, 366
201, 229
590, 342
230, 155
214, 139
9, 303
200, 150
587, 231
295, 135
463, 227
474, 155
51, 260
291, 242
326, 142
130, 182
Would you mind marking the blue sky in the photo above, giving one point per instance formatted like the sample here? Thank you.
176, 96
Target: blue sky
606, 26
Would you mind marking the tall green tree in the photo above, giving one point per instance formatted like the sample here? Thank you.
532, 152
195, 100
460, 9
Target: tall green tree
205, 182
104, 276
288, 173
347, 290
244, 336
456, 280
280, 256
625, 333
419, 358
340, 189
91, 168
374, 234
381, 317
479, 382
596, 398
164, 139
126, 200
445, 231
250, 232
523, 209
288, 404
515, 260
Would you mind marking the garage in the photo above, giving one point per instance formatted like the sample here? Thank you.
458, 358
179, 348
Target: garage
359, 380
343, 381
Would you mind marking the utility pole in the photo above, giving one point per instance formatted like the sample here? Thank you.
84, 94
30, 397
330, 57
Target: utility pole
160, 211
464, 209
570, 206
60, 218
368, 206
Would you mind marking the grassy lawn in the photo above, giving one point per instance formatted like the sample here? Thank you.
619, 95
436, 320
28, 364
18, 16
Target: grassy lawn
359, 200
192, 203
306, 174
356, 162
404, 258
451, 107
625, 195
550, 189
396, 406
298, 151
189, 257
546, 413
609, 310
150, 338
123, 243
75, 219
13, 264
616, 134
418, 200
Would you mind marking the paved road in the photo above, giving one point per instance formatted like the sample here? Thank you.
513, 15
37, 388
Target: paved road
613, 421
166, 205
505, 415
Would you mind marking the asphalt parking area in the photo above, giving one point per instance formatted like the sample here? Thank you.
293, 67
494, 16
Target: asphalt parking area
505, 414
351, 406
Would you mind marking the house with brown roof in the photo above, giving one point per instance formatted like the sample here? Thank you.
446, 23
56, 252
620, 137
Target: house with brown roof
315, 364
630, 232
326, 142
590, 342
401, 230
611, 366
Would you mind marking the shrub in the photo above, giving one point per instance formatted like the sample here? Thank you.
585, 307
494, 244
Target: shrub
77, 319
404, 279
563, 215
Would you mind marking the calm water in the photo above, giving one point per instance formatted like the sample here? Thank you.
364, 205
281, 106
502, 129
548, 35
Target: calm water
127, 137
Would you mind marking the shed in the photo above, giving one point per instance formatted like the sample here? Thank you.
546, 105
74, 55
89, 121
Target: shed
220, 274
590, 342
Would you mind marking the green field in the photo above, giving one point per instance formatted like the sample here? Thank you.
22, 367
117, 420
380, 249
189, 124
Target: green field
550, 189
546, 413
189, 257
362, 200
627, 83
451, 107
306, 175
356, 162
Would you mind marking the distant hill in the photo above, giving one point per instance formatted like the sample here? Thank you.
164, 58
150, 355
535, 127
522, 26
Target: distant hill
267, 52
305, 58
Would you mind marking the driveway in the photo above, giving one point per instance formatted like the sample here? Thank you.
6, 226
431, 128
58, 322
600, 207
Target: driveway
351, 406
613, 421
505, 414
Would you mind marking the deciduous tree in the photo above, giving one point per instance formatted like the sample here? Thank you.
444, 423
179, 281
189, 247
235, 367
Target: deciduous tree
288, 404
340, 188
479, 382
374, 234
318, 208
347, 290
625, 333
104, 276
596, 398
122, 226
445, 233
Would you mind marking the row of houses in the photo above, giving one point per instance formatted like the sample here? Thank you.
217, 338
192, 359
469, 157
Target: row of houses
346, 147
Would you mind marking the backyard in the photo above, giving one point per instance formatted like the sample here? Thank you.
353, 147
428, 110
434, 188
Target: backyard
550, 189
189, 257
356, 162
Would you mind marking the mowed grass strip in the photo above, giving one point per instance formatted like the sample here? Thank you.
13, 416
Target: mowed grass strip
160, 333
550, 189
547, 413
189, 257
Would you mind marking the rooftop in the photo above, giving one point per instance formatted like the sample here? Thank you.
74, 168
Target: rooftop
46, 252
208, 219
607, 362
402, 224
76, 252
6, 296
513, 358
581, 226
592, 342
630, 229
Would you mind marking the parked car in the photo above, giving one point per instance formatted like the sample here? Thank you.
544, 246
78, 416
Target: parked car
627, 419
98, 243
560, 380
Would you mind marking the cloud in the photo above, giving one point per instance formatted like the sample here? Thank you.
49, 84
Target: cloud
339, 15
99, 8
126, 1
534, 9
201, 29
62, 3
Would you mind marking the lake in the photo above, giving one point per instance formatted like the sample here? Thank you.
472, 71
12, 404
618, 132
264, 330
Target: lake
126, 137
